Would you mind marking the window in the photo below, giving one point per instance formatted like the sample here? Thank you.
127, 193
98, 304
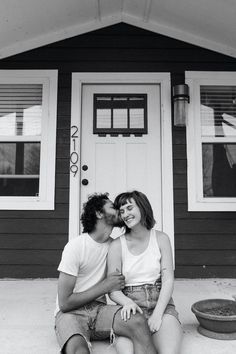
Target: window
211, 141
120, 114
28, 102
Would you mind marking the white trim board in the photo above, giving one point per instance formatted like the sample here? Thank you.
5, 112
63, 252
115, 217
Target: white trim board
48, 79
196, 200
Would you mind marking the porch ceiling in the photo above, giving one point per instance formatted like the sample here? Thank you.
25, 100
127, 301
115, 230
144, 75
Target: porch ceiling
28, 24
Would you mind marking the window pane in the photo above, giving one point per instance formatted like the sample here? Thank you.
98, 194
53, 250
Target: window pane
19, 169
218, 110
20, 109
120, 118
19, 158
219, 170
19, 187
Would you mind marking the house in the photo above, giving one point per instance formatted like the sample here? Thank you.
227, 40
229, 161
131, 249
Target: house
90, 107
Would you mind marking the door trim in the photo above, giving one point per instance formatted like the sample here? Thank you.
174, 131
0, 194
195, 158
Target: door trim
162, 79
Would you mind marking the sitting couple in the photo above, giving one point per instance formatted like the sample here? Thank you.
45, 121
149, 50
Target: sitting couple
139, 280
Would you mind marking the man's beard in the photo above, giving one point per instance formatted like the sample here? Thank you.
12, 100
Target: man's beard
113, 220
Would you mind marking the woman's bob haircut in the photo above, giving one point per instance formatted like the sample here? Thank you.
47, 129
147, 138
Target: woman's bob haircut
147, 218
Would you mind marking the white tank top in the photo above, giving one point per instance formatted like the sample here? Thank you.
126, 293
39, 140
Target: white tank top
143, 268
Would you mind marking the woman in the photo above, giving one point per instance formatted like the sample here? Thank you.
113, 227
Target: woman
144, 257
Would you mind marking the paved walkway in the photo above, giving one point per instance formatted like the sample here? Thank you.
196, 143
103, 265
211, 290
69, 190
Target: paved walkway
26, 316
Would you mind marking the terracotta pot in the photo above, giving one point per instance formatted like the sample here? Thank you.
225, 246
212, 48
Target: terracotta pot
217, 318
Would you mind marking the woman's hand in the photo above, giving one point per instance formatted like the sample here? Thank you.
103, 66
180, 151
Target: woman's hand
131, 306
154, 322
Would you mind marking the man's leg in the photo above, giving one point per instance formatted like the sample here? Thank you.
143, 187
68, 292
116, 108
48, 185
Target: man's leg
136, 328
72, 332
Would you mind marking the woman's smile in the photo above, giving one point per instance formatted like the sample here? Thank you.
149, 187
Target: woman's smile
130, 213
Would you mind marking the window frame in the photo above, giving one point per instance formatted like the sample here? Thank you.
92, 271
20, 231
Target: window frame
45, 199
196, 201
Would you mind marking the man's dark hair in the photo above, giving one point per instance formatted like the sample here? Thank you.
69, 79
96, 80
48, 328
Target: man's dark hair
94, 204
147, 218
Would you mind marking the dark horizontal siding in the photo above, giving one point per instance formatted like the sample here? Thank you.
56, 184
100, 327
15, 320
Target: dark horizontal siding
31, 241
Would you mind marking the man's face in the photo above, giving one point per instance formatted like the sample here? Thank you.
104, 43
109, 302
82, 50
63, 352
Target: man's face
110, 214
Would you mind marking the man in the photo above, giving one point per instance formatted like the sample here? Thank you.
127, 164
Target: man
82, 314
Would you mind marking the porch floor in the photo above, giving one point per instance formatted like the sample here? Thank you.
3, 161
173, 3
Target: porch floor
26, 316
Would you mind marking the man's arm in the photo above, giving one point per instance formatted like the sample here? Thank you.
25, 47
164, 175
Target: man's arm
69, 301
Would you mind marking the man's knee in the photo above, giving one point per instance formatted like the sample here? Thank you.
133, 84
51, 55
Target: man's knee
76, 344
137, 321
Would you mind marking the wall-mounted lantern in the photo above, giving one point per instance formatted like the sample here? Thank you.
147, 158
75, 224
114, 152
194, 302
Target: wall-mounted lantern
181, 100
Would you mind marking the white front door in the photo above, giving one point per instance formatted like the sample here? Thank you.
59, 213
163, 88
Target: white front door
117, 162
121, 140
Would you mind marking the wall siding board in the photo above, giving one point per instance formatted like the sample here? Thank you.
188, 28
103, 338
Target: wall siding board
34, 257
33, 241
205, 271
28, 271
205, 242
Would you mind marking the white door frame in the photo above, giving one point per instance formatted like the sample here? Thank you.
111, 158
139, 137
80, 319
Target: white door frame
162, 79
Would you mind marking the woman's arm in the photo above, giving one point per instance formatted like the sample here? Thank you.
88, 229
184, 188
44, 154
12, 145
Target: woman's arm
167, 280
68, 300
114, 264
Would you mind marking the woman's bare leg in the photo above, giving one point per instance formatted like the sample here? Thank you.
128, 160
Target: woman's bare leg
169, 337
124, 345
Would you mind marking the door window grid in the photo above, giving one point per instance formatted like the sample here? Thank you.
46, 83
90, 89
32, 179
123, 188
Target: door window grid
120, 114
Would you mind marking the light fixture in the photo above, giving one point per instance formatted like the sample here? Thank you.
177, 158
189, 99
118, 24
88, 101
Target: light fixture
181, 100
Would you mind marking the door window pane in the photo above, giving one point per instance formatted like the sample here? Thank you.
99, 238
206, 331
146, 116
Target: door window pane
137, 118
120, 118
103, 118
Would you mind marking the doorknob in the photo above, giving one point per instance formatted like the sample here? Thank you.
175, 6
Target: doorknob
85, 182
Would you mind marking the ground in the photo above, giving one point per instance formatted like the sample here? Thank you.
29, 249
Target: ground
27, 306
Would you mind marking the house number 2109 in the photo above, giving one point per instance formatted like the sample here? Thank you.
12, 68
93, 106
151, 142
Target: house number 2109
74, 157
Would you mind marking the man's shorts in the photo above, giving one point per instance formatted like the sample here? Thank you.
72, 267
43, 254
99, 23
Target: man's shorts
94, 321
146, 297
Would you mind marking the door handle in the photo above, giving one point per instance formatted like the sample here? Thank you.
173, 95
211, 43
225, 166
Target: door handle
84, 182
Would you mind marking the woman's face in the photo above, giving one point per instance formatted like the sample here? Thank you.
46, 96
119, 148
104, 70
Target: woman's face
130, 213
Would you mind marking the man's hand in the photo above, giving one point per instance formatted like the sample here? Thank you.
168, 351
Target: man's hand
115, 281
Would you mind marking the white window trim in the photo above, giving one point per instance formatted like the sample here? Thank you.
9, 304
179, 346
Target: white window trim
162, 79
196, 201
45, 200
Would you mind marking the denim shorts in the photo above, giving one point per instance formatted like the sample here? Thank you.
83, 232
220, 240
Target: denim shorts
94, 321
146, 297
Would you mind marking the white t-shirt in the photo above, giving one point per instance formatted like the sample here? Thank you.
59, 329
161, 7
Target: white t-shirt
85, 259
